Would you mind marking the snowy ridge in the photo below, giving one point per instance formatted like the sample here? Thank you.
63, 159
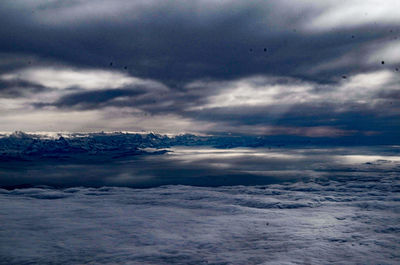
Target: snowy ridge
24, 146
21, 146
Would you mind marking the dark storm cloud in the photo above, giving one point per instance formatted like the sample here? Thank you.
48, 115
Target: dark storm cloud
177, 41
315, 62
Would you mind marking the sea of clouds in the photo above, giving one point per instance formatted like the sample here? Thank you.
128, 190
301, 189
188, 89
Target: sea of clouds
342, 220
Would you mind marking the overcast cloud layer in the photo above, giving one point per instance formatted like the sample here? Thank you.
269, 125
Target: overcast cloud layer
341, 221
306, 68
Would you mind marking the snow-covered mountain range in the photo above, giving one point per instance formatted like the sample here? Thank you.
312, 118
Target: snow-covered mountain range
27, 146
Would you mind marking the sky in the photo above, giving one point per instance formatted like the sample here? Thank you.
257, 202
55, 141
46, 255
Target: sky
297, 68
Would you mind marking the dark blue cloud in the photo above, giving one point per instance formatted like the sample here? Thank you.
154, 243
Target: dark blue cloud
175, 42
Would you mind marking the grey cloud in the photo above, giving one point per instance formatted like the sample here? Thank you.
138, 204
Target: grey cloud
19, 88
92, 99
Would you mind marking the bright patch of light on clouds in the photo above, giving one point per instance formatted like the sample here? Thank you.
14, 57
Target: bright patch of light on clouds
62, 78
388, 52
11, 104
313, 131
267, 91
349, 14
255, 91
367, 55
